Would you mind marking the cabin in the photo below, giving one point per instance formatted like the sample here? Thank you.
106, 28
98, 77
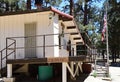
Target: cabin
34, 39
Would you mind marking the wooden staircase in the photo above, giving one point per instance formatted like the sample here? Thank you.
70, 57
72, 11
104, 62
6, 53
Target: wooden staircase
101, 68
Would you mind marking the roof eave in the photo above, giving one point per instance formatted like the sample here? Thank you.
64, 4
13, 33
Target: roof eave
64, 15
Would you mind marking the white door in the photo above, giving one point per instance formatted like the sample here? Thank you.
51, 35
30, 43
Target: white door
30, 42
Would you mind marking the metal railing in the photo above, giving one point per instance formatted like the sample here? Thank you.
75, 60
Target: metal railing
12, 47
44, 45
5, 54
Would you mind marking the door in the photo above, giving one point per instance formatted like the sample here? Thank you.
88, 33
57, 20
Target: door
30, 42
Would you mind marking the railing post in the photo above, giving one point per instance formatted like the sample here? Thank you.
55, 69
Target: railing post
1, 62
90, 54
73, 52
44, 46
15, 49
6, 48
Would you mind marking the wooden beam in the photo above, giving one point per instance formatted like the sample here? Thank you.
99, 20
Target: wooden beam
46, 60
74, 71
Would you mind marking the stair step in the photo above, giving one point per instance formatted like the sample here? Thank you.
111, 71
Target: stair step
101, 68
101, 72
100, 75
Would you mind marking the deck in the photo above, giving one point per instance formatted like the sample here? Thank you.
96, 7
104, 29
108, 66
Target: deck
47, 60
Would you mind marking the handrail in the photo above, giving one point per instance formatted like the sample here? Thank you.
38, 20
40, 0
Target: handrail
6, 48
7, 54
10, 53
3, 49
44, 41
41, 35
43, 46
11, 44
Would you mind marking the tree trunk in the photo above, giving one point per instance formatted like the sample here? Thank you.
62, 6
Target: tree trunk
7, 6
28, 4
113, 56
103, 51
85, 14
17, 7
71, 7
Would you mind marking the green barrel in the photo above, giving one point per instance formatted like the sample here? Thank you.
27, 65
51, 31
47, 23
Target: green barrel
45, 72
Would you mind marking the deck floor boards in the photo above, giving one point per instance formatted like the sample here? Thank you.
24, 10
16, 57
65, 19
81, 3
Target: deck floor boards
46, 60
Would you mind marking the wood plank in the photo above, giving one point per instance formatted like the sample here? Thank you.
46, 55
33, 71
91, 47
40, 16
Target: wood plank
47, 60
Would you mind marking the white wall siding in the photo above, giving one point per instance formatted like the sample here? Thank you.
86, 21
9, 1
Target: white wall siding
56, 31
45, 27
13, 26
64, 41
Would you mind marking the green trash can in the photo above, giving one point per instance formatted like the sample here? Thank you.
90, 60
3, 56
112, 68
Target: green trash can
45, 72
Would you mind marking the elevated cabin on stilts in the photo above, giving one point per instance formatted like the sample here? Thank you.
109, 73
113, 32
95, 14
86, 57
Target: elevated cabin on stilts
35, 38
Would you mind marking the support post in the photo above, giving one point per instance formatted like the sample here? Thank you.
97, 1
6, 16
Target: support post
9, 70
80, 66
44, 46
95, 64
64, 72
6, 48
15, 49
77, 71
72, 68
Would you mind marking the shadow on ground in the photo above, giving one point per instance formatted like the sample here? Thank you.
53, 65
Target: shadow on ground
24, 78
115, 64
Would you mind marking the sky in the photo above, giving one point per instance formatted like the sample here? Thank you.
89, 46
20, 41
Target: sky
99, 4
